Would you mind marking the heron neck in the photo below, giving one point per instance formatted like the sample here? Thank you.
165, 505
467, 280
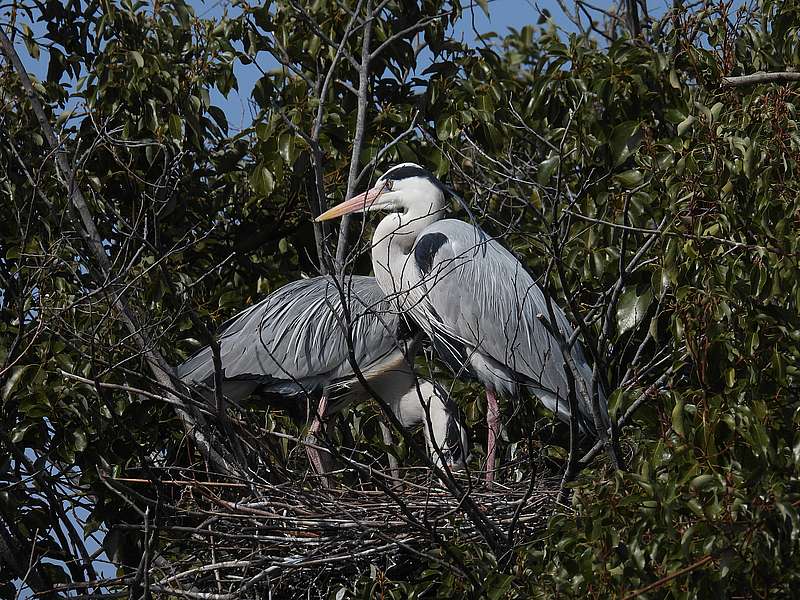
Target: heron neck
393, 242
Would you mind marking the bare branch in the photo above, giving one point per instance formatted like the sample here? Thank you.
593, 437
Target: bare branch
358, 138
83, 218
761, 77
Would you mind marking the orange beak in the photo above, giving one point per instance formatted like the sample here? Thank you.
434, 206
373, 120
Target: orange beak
361, 203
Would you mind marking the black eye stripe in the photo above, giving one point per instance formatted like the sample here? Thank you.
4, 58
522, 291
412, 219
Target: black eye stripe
408, 171
405, 172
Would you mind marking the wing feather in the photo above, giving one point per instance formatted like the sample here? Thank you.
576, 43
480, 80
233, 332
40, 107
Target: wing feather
475, 298
298, 333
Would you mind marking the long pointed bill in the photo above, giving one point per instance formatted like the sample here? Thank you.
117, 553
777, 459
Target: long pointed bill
360, 203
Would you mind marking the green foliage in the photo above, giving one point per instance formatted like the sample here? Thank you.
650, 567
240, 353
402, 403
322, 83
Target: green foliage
633, 138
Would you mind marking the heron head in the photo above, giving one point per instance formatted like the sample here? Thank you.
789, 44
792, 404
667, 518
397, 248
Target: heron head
406, 187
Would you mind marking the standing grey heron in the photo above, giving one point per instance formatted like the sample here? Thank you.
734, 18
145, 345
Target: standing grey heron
293, 344
471, 296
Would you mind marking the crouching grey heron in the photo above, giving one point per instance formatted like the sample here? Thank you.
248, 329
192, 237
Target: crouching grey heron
293, 344
471, 296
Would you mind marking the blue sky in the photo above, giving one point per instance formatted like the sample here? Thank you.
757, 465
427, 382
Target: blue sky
503, 14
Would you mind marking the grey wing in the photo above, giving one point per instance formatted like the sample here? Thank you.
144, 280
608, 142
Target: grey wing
480, 306
298, 334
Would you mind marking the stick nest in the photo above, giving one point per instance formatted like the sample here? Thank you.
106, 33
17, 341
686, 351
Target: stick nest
218, 540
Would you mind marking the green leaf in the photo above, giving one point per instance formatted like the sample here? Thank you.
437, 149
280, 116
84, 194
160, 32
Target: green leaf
137, 58
175, 126
632, 308
702, 482
499, 586
629, 179
673, 79
730, 377
13, 381
677, 418
446, 128
716, 110
261, 181
624, 142
80, 441
30, 43
286, 147
19, 432
219, 117
546, 169
684, 125
263, 131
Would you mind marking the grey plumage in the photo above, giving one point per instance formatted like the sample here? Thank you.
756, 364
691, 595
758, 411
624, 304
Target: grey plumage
294, 344
471, 296
497, 333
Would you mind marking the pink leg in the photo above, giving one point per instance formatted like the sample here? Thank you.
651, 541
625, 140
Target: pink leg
314, 456
493, 421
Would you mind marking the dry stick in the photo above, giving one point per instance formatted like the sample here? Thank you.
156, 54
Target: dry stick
133, 588
761, 77
632, 14
573, 464
528, 492
128, 389
608, 320
55, 505
550, 324
358, 141
374, 161
591, 395
643, 397
81, 216
211, 339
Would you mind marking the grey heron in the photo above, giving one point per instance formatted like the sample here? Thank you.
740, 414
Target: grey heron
293, 344
471, 296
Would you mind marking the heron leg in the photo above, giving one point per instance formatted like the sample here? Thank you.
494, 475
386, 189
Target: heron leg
493, 422
315, 456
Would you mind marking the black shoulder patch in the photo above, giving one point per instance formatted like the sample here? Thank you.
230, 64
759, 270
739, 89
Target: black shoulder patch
426, 248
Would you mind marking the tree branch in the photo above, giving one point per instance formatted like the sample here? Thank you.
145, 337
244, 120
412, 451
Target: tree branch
82, 217
761, 77
358, 140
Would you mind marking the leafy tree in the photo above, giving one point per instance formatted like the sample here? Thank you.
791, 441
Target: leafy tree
637, 165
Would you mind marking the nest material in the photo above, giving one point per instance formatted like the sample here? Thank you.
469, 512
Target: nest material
226, 541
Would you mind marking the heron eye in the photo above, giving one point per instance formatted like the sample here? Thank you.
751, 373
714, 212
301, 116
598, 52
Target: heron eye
389, 184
